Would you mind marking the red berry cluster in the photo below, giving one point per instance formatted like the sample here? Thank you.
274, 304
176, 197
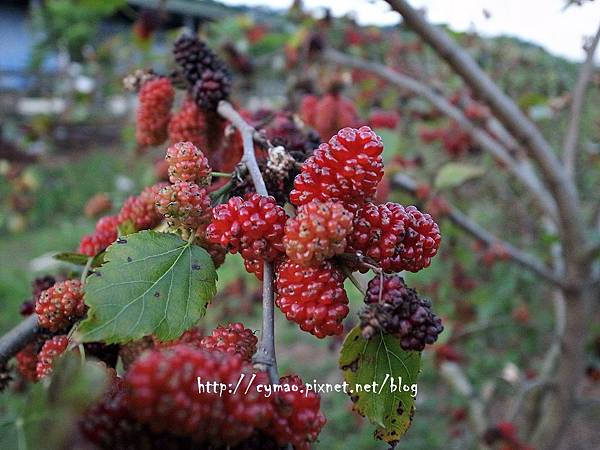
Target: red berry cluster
61, 304
347, 169
395, 237
51, 349
252, 226
188, 164
158, 405
104, 235
184, 204
140, 210
318, 232
155, 101
312, 297
329, 113
233, 338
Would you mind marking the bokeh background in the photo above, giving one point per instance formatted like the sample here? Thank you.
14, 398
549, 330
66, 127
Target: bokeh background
68, 155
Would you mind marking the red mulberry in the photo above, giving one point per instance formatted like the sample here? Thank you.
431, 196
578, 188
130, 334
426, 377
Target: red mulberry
141, 210
154, 111
187, 163
298, 418
104, 235
58, 306
313, 297
253, 227
163, 392
51, 350
318, 232
347, 169
184, 204
234, 338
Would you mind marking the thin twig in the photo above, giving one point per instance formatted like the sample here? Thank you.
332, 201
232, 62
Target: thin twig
572, 134
547, 370
265, 355
456, 378
480, 136
478, 232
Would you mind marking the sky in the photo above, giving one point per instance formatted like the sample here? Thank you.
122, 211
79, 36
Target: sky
543, 22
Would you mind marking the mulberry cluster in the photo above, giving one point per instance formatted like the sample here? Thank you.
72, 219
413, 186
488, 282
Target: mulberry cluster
312, 297
140, 210
207, 77
188, 125
187, 163
395, 309
329, 113
104, 235
51, 349
318, 232
58, 306
233, 338
347, 169
162, 392
184, 204
253, 227
397, 238
154, 112
298, 418
158, 405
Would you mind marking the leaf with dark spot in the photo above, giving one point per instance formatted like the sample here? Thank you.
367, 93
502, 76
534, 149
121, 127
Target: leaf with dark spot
364, 361
123, 303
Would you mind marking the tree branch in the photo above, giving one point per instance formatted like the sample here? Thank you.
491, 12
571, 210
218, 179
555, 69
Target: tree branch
265, 355
455, 377
572, 135
526, 260
17, 338
519, 169
515, 121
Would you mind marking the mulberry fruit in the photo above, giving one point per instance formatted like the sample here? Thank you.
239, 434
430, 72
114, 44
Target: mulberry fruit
51, 350
298, 418
154, 112
318, 232
347, 169
188, 125
193, 57
421, 241
110, 425
185, 204
27, 360
188, 164
252, 226
312, 297
395, 309
141, 210
163, 392
234, 338
329, 114
59, 306
104, 235
212, 87
395, 237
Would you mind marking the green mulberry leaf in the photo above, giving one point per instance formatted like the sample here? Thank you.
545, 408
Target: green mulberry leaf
388, 404
151, 283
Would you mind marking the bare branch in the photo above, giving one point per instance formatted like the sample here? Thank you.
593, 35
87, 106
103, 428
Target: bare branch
17, 338
524, 173
572, 135
265, 355
515, 121
525, 259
